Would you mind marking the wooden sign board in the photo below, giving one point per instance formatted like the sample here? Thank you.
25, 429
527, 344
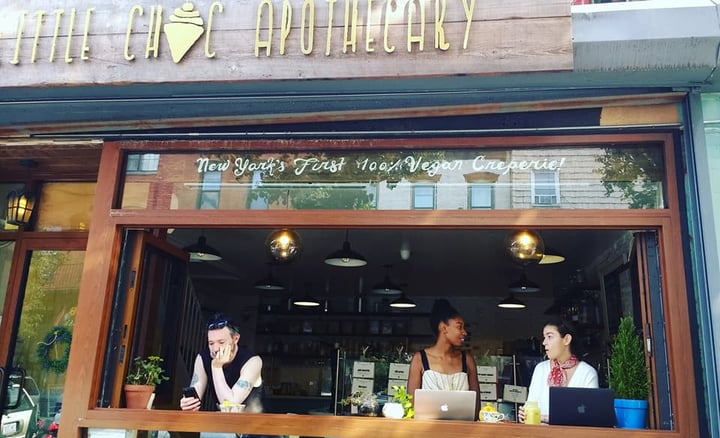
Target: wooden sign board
94, 42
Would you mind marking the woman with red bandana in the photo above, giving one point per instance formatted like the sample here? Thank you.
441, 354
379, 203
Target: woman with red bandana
562, 368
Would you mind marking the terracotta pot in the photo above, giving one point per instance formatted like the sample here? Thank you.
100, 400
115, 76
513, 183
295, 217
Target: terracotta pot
138, 396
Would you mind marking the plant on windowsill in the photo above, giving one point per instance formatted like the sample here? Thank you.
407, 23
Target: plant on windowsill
140, 382
629, 376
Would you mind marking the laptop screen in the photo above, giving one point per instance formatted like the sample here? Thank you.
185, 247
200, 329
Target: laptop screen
582, 406
444, 405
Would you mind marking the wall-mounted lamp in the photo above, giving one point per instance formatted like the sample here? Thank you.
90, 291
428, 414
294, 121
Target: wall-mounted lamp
345, 257
20, 207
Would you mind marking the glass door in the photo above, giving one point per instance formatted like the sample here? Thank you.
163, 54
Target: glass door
40, 293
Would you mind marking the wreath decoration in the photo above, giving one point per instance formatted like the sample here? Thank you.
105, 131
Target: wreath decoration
57, 335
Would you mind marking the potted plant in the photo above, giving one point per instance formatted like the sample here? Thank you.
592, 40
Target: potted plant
629, 376
401, 406
365, 402
141, 380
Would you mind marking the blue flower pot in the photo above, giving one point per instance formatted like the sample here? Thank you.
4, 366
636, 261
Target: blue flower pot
631, 414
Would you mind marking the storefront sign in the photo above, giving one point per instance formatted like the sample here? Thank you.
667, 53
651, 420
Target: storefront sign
89, 41
413, 164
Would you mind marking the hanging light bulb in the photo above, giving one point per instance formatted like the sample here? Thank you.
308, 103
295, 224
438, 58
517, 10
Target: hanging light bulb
284, 245
525, 247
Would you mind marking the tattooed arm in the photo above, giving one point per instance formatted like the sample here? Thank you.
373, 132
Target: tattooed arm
199, 381
250, 376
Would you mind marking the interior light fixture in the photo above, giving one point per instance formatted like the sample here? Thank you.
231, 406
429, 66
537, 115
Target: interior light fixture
525, 247
283, 245
523, 285
403, 302
551, 256
269, 283
346, 257
202, 252
387, 287
511, 303
306, 301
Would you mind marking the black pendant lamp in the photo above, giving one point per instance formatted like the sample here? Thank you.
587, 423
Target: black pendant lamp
345, 257
269, 283
523, 285
403, 302
202, 252
20, 205
511, 303
387, 287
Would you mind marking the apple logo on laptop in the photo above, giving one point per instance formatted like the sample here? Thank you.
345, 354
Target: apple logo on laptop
444, 407
581, 409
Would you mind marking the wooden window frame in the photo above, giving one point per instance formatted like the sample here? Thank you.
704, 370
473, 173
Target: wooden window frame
96, 290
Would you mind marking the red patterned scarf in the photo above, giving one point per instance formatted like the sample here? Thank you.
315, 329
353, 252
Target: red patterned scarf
557, 375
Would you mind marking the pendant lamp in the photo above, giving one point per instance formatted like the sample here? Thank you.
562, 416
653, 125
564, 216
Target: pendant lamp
525, 247
268, 283
283, 246
307, 300
202, 252
551, 256
523, 285
387, 287
345, 257
511, 303
403, 302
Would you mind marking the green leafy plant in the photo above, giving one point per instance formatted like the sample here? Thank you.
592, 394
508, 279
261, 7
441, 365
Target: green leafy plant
628, 373
405, 399
147, 371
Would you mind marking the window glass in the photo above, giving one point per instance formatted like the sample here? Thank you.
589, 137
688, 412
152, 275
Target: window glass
545, 188
611, 177
481, 195
424, 197
65, 206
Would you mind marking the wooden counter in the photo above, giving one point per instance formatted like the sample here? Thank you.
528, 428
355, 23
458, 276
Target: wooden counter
328, 425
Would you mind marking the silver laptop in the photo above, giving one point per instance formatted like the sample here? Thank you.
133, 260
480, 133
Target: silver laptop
444, 405
582, 406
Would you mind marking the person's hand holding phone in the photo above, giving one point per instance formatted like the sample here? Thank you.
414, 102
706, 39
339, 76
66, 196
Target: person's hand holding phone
190, 400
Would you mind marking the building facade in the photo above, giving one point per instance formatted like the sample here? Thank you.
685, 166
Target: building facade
135, 124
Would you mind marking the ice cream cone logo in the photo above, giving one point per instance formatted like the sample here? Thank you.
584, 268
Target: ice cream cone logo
183, 30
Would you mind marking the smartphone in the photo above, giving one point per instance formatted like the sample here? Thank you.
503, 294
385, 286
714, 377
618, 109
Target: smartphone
189, 391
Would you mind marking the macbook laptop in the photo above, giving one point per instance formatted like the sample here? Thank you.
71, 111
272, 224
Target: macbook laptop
444, 405
582, 406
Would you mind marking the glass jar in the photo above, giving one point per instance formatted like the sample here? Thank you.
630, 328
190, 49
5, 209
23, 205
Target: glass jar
532, 412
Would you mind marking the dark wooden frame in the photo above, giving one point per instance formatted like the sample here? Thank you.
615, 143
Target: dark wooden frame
85, 364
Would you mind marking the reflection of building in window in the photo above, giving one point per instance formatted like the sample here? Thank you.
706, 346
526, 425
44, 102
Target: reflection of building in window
545, 187
210, 191
423, 196
258, 201
138, 163
480, 195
